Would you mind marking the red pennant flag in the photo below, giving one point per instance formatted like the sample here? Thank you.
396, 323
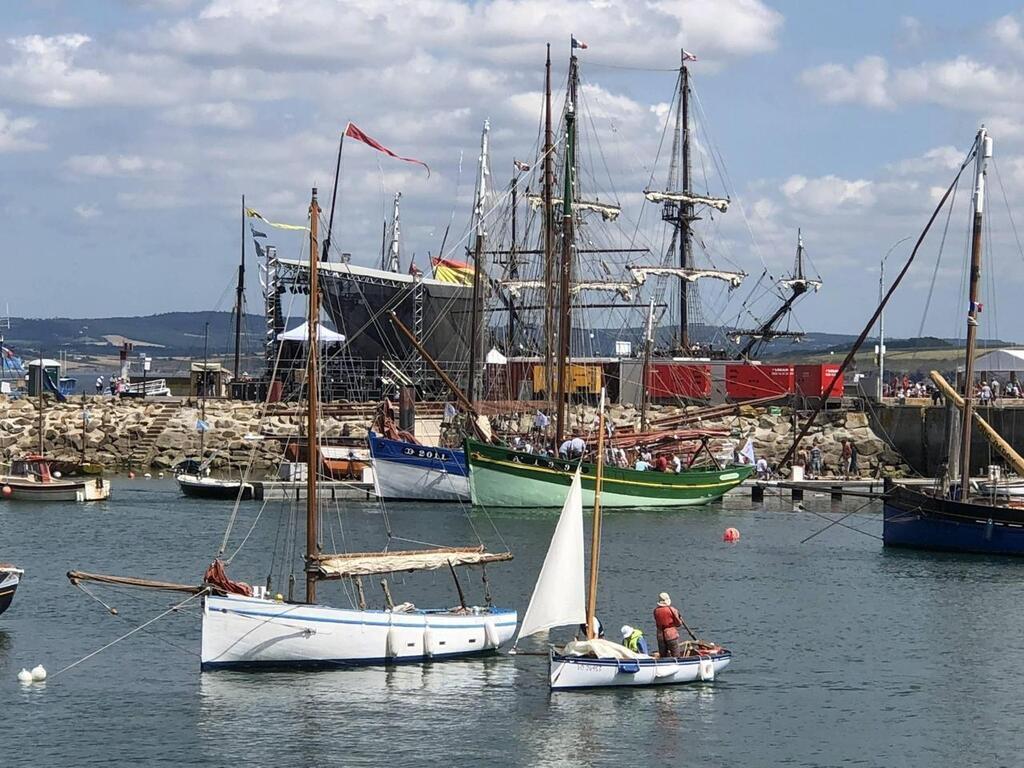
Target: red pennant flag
353, 132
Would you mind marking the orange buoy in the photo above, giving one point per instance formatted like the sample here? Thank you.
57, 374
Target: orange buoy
7, 490
731, 535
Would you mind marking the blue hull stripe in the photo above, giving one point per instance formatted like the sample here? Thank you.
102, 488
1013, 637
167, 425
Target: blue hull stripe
450, 460
287, 616
212, 666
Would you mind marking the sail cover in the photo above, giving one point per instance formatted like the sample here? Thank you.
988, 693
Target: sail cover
559, 599
369, 563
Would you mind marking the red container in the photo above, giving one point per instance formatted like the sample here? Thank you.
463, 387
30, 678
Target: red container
679, 380
813, 380
744, 381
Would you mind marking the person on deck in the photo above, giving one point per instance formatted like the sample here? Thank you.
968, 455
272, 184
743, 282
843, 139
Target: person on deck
677, 464
572, 448
598, 630
854, 469
762, 470
668, 621
641, 465
634, 640
661, 463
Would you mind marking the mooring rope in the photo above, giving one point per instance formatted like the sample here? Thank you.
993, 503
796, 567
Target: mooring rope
128, 634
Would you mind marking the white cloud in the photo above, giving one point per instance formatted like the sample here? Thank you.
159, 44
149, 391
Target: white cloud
16, 134
959, 83
1007, 32
937, 159
87, 211
827, 194
222, 114
120, 165
865, 83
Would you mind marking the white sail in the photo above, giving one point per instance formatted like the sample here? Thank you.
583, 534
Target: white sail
559, 599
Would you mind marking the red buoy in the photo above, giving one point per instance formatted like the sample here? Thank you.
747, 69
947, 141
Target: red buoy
7, 490
731, 535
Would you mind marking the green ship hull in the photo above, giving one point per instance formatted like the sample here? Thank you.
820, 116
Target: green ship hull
501, 477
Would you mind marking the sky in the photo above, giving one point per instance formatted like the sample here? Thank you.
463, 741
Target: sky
130, 129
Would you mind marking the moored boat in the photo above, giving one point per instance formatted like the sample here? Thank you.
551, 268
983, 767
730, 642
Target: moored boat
31, 479
205, 487
10, 577
503, 477
405, 471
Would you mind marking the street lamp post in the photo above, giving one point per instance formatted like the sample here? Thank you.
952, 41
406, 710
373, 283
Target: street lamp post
881, 317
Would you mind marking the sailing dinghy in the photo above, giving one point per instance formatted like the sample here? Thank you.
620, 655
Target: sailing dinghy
560, 598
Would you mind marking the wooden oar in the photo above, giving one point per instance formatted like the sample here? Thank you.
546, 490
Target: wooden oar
683, 623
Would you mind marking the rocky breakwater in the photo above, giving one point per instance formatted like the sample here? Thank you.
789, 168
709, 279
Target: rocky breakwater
119, 434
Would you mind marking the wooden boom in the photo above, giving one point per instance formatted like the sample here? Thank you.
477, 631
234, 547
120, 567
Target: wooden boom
1003, 447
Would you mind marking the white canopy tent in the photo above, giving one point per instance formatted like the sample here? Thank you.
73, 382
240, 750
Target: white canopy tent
301, 333
999, 361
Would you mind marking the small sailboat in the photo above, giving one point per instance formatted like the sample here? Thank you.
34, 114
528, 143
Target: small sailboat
245, 627
954, 516
10, 577
561, 598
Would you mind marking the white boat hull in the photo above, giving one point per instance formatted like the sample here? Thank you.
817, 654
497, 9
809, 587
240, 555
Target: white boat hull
244, 632
403, 482
568, 672
22, 489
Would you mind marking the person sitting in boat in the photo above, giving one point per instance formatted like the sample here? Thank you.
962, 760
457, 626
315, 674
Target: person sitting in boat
641, 465
661, 463
668, 620
598, 630
634, 640
572, 448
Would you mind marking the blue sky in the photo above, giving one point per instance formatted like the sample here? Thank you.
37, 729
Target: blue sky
129, 129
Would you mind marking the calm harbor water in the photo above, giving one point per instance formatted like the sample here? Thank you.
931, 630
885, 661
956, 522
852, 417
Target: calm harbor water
846, 654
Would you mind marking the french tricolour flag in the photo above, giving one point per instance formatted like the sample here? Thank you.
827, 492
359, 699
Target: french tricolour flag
578, 43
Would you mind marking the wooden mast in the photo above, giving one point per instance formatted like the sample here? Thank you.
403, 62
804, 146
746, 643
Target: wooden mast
549, 239
686, 209
312, 380
476, 315
983, 148
645, 395
239, 300
565, 263
595, 528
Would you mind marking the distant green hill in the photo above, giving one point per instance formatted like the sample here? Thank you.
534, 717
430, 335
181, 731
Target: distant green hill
171, 334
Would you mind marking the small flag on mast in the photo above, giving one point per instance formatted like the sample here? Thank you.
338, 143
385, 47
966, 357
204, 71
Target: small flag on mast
520, 165
687, 56
578, 43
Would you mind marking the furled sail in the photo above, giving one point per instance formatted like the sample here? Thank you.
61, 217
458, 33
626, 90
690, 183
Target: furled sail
336, 566
608, 212
624, 289
718, 203
688, 274
559, 599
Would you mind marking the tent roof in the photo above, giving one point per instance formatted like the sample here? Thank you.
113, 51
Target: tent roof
301, 333
999, 360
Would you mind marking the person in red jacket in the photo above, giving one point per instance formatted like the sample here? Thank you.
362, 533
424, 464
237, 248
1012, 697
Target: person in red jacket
668, 621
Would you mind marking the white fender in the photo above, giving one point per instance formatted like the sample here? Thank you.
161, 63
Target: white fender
428, 640
706, 668
391, 649
491, 634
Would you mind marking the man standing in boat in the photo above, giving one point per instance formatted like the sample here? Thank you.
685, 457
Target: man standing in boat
668, 620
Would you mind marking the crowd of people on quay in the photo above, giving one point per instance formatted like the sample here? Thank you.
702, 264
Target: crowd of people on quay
986, 391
